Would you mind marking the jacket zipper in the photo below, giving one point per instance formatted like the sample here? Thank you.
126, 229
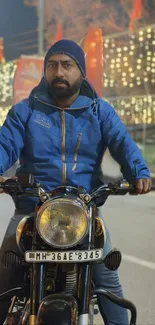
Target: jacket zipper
62, 115
76, 151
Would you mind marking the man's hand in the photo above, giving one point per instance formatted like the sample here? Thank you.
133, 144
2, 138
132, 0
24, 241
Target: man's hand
143, 186
2, 180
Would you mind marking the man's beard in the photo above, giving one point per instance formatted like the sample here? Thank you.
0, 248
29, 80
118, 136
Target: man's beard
66, 92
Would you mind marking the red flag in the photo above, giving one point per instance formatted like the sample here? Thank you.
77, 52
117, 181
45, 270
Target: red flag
1, 51
58, 35
136, 13
92, 45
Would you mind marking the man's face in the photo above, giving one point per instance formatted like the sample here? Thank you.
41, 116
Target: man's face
63, 76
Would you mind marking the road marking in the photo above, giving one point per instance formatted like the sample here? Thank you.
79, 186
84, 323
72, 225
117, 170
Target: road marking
138, 261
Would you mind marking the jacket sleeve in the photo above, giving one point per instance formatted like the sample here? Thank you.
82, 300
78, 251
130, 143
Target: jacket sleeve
12, 134
121, 146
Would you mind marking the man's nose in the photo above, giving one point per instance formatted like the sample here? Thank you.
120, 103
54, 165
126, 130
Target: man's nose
59, 71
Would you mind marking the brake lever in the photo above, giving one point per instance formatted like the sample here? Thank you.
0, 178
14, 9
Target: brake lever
18, 185
12, 186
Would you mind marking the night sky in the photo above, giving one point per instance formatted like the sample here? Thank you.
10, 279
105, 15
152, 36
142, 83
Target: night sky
18, 24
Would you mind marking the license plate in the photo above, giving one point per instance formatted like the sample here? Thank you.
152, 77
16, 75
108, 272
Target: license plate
64, 257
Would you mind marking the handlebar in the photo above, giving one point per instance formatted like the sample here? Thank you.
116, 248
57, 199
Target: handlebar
25, 185
120, 188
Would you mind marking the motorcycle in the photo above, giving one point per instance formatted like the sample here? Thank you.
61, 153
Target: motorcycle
58, 245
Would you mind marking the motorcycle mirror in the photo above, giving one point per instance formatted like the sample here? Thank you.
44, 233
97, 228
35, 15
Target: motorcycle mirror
113, 259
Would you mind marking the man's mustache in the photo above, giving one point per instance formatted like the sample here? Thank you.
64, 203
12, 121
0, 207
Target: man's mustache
59, 81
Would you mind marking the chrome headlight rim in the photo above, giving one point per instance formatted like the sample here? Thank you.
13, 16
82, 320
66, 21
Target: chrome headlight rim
75, 202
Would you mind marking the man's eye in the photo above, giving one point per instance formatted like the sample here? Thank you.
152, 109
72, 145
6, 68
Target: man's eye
66, 65
51, 65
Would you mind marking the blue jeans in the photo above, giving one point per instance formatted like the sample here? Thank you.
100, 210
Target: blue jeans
9, 278
109, 280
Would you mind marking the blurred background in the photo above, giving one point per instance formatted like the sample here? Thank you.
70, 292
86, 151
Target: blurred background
118, 38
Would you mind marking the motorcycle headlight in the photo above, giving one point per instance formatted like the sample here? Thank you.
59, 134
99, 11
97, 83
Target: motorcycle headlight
62, 222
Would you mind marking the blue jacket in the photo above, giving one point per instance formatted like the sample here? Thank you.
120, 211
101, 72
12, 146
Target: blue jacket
67, 146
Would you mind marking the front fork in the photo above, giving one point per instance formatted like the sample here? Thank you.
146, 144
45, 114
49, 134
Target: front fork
85, 293
37, 290
85, 277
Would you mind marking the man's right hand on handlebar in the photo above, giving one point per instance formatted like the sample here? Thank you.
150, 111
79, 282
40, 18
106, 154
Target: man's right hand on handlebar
2, 180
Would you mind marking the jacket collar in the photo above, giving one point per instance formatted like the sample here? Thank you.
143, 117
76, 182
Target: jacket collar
86, 97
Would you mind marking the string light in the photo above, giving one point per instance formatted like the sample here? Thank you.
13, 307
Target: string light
131, 66
128, 67
134, 110
6, 90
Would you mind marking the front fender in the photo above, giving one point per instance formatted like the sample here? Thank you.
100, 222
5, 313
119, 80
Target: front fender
58, 309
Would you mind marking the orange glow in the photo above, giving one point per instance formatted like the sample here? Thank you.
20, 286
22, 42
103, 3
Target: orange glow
27, 75
58, 35
92, 45
136, 13
1, 51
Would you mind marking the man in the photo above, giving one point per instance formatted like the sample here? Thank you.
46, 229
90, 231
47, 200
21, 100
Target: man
60, 134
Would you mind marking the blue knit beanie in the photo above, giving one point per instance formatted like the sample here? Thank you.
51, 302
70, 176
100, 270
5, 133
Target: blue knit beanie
71, 49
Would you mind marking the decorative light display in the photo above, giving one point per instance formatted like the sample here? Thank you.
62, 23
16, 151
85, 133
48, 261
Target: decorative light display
128, 78
129, 75
6, 88
6, 80
136, 109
